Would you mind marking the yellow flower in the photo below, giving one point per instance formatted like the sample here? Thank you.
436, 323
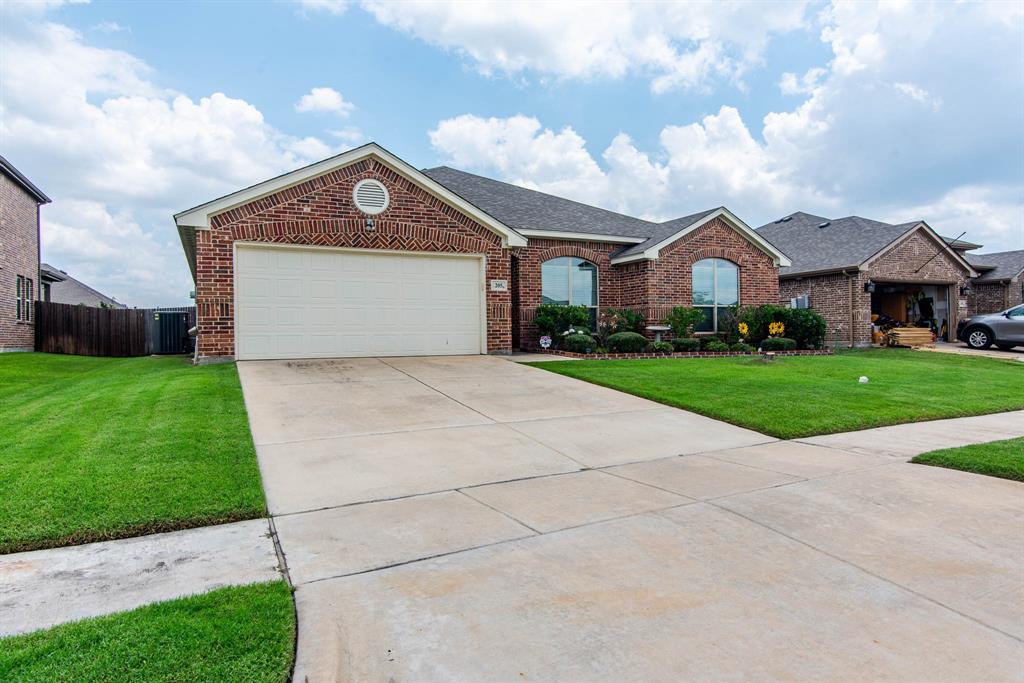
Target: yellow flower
743, 328
776, 329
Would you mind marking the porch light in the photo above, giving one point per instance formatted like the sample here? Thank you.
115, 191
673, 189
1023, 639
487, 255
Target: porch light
869, 287
965, 290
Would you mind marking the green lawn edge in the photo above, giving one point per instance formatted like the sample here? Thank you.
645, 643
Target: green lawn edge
101, 449
241, 633
1003, 459
972, 371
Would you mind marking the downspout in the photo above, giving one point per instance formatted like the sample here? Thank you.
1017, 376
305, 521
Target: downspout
853, 314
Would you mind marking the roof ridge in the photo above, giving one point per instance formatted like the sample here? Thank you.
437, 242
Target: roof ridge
546, 194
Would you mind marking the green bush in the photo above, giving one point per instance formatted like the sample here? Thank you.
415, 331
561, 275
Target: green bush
807, 327
708, 339
613, 320
579, 343
682, 320
553, 320
686, 344
660, 347
745, 348
627, 342
778, 344
716, 346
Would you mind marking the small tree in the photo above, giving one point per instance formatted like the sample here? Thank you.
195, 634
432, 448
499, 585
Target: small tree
554, 319
682, 320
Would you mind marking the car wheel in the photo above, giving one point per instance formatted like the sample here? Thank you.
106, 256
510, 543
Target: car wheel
978, 338
1005, 347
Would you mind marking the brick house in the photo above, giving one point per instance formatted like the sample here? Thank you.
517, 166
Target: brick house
19, 257
858, 272
363, 255
1000, 283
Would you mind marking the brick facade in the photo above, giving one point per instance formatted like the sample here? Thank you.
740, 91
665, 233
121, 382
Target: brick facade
846, 307
653, 287
992, 297
19, 255
321, 212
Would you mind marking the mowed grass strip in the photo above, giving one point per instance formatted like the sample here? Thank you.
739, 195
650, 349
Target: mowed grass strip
1004, 459
103, 448
243, 633
799, 396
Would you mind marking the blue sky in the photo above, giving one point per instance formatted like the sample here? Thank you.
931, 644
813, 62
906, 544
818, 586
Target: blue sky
128, 112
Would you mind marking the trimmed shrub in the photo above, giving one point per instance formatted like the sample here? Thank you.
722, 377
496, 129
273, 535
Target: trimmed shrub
682, 320
716, 346
627, 342
579, 343
778, 344
660, 347
745, 348
553, 320
708, 339
686, 344
806, 327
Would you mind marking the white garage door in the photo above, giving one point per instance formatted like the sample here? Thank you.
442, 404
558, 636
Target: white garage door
318, 302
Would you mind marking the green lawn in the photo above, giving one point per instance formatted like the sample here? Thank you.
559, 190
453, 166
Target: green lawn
101, 448
1003, 459
800, 396
233, 634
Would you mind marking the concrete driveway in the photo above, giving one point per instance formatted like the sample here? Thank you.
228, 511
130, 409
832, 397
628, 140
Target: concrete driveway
468, 518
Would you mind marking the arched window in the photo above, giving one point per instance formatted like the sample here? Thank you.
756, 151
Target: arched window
716, 285
569, 281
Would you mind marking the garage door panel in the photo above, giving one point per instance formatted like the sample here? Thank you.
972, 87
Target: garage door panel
297, 303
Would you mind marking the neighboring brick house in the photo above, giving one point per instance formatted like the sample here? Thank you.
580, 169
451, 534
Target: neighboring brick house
19, 257
363, 255
851, 269
1000, 283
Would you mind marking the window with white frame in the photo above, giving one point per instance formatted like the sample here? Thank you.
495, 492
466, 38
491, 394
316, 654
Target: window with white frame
23, 298
569, 281
716, 286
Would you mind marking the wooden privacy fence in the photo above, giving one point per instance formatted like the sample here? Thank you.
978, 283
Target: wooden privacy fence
90, 331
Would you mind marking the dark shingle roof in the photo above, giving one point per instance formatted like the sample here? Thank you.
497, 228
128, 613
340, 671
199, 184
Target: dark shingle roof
65, 289
1001, 265
524, 209
665, 230
842, 243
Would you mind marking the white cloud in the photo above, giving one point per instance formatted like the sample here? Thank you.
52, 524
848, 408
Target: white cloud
990, 215
675, 45
324, 100
122, 154
698, 166
791, 84
111, 27
918, 94
335, 7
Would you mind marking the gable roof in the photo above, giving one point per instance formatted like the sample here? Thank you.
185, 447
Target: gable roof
65, 289
18, 177
820, 245
998, 266
531, 211
198, 217
538, 214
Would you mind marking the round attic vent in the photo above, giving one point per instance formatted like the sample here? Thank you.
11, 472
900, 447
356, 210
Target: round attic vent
371, 196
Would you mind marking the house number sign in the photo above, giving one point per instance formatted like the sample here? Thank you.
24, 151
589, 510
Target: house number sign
499, 285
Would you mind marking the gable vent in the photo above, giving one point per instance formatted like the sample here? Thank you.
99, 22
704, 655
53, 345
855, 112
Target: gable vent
371, 196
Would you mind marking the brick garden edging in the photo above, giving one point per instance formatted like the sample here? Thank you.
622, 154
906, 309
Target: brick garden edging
688, 354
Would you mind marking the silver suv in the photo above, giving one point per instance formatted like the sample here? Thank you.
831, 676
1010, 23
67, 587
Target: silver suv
1004, 329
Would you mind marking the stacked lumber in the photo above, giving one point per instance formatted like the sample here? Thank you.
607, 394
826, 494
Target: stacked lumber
909, 336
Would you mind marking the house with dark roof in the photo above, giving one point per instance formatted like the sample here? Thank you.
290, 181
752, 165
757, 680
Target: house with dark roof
20, 201
863, 275
363, 255
1000, 283
59, 287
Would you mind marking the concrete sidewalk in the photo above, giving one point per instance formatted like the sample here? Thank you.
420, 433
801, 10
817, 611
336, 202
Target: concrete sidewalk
43, 588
